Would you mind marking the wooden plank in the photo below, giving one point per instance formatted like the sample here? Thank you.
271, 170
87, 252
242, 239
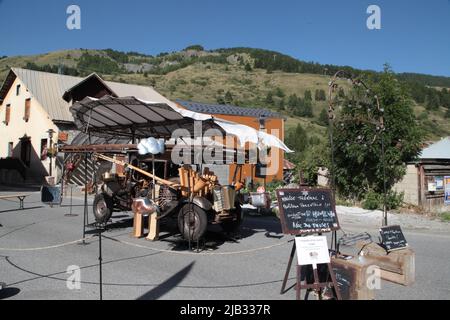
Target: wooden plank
153, 227
14, 196
138, 227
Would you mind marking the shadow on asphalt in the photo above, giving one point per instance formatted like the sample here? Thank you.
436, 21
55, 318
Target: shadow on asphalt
167, 285
8, 293
20, 210
213, 239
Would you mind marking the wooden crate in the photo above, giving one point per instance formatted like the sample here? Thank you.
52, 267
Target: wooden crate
396, 266
352, 277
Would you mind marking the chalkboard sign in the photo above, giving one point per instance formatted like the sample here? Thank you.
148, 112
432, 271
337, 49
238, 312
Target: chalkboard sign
345, 279
307, 211
392, 238
51, 195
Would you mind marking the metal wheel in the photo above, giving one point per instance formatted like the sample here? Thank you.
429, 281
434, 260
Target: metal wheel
102, 207
192, 222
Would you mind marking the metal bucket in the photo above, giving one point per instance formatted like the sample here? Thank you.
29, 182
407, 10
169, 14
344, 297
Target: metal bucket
260, 200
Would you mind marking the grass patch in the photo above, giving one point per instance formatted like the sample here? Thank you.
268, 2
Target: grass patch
445, 216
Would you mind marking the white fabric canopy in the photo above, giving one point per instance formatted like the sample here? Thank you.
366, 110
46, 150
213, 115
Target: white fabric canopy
243, 133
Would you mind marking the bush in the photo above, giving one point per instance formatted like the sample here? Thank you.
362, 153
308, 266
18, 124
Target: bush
445, 216
373, 200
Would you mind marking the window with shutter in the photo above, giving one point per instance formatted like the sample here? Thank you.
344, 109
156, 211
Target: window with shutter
27, 110
7, 114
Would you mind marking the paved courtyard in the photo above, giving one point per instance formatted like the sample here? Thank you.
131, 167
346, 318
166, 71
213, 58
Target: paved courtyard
38, 244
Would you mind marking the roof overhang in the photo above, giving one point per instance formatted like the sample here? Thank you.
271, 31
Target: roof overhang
131, 117
91, 86
10, 78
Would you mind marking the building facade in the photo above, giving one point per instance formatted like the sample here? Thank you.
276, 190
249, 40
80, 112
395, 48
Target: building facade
257, 118
423, 183
32, 105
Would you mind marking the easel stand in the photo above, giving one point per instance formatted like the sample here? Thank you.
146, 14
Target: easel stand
317, 285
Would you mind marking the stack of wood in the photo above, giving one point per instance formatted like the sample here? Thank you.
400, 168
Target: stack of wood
192, 181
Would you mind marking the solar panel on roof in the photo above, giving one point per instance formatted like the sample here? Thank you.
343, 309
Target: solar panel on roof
226, 109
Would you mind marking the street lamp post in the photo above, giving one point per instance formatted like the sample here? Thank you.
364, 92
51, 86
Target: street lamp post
50, 144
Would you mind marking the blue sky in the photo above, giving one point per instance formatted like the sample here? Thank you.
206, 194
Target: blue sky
414, 35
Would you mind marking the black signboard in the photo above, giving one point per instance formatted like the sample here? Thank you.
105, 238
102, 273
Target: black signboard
392, 238
307, 211
51, 195
345, 279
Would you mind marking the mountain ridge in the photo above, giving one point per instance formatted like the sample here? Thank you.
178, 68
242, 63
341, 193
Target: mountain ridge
241, 76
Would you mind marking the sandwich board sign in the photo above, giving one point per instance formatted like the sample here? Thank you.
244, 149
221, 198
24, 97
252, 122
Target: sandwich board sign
392, 238
307, 211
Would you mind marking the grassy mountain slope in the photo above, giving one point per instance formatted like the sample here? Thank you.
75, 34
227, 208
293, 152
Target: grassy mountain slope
240, 76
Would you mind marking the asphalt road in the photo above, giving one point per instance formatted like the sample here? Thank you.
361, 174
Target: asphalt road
36, 248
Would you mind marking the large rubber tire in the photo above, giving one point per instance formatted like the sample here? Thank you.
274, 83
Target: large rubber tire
192, 222
103, 207
233, 225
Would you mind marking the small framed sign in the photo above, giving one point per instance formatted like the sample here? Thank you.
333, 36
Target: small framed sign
312, 250
392, 238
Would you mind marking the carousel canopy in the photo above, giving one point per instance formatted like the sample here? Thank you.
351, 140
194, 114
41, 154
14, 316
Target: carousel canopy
129, 116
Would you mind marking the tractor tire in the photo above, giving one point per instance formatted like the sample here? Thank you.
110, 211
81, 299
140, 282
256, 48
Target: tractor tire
103, 207
233, 225
192, 222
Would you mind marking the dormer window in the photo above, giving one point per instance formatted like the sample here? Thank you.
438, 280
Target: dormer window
18, 90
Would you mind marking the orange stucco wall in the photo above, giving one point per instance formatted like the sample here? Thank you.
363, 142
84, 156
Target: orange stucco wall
272, 125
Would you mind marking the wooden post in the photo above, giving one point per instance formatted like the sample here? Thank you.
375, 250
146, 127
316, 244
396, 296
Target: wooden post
153, 227
138, 227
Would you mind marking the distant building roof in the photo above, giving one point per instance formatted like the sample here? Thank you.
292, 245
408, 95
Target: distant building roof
287, 165
438, 150
48, 89
227, 109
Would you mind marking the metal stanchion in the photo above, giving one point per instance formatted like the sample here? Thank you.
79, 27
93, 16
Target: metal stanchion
100, 229
70, 214
85, 199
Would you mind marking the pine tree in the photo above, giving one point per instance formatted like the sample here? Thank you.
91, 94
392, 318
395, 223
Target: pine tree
281, 104
308, 95
228, 99
269, 99
323, 117
316, 95
279, 92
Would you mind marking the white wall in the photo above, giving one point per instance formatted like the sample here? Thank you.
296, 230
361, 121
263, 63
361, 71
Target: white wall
409, 185
36, 127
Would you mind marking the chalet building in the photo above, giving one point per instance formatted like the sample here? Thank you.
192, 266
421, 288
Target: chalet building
423, 183
35, 117
257, 118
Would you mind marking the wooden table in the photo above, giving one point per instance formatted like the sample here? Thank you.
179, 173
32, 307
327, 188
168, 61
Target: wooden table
20, 196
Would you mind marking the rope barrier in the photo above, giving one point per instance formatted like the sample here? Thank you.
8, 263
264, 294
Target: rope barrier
147, 247
198, 253
47, 247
